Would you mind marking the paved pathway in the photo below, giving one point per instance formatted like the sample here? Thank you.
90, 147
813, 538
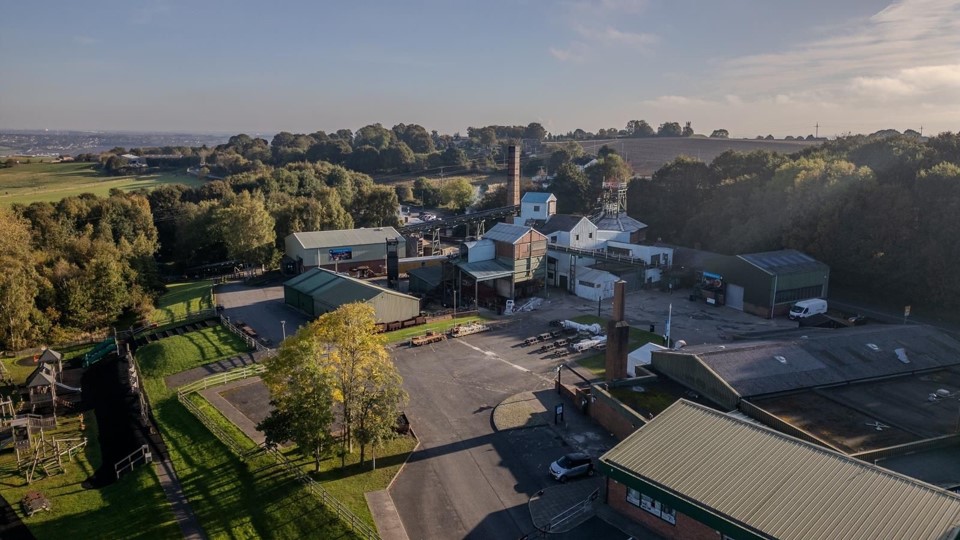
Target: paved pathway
184, 377
385, 515
189, 525
248, 426
552, 502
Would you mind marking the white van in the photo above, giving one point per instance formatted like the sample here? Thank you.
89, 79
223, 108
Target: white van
806, 308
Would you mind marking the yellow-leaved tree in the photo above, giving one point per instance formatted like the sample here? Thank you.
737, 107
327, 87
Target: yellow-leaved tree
335, 368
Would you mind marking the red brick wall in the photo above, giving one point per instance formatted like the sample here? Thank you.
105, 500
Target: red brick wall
611, 419
685, 529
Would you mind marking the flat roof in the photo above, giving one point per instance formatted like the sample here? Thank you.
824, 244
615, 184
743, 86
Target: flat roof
776, 484
485, 270
344, 237
810, 359
785, 261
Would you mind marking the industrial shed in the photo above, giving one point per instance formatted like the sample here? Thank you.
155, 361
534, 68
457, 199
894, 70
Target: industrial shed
767, 284
693, 472
319, 291
341, 250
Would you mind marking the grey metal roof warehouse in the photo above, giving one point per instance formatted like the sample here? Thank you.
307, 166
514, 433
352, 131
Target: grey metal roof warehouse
814, 358
757, 483
348, 237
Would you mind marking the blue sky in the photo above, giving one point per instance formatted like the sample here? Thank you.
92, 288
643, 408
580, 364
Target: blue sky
752, 67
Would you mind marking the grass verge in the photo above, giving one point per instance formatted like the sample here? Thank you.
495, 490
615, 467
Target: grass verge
348, 483
233, 498
180, 353
133, 507
182, 300
596, 363
405, 334
21, 367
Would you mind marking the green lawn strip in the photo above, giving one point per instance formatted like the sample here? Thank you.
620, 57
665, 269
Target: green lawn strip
595, 363
133, 507
405, 334
182, 300
19, 368
180, 353
347, 485
233, 498
35, 182
647, 402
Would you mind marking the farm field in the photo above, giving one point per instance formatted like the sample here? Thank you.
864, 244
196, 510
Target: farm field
648, 155
33, 182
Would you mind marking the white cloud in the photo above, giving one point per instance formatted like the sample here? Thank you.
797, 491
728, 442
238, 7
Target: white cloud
609, 35
575, 52
600, 24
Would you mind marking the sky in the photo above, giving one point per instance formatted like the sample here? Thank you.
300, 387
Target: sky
752, 67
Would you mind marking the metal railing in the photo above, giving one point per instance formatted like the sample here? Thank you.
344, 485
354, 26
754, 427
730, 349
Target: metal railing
597, 254
579, 510
217, 430
141, 454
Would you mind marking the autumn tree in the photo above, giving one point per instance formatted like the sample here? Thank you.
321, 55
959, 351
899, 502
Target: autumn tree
457, 193
247, 228
300, 379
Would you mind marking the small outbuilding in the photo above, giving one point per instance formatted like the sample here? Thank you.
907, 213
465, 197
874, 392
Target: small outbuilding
319, 291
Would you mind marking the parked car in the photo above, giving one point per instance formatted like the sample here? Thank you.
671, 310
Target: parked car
570, 466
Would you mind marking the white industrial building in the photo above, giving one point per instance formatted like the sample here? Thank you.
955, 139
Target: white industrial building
341, 250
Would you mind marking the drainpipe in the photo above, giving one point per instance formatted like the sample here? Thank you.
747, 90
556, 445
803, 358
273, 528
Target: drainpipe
773, 299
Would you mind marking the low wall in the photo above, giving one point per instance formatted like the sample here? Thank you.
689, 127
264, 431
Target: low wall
614, 416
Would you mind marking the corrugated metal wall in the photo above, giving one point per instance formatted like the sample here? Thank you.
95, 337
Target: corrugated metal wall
687, 370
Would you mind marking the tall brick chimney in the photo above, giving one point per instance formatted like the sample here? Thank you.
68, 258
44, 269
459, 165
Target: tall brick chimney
513, 177
618, 335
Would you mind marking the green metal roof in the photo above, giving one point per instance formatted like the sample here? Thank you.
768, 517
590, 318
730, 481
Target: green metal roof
775, 484
333, 290
486, 270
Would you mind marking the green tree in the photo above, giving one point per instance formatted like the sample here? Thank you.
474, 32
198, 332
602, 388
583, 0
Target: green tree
536, 131
669, 129
361, 366
374, 135
300, 379
457, 193
18, 281
687, 130
571, 187
376, 206
427, 192
247, 228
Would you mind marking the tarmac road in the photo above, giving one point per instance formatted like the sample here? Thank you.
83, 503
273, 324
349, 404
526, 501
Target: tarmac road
262, 308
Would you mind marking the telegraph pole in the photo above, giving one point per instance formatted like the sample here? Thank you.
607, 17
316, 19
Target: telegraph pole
817, 132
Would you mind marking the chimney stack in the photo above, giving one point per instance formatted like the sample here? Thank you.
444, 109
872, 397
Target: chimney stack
618, 335
513, 176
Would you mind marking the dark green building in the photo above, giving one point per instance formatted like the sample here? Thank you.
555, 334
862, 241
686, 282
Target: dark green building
767, 284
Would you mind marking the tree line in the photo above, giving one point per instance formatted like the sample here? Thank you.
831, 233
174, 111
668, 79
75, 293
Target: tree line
881, 210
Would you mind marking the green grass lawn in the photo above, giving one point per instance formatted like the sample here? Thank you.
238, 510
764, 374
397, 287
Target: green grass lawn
347, 484
405, 334
180, 353
650, 401
233, 498
33, 182
596, 363
182, 300
133, 507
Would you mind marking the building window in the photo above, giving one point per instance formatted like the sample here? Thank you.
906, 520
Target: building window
553, 239
655, 260
633, 496
587, 284
549, 276
589, 235
578, 237
668, 514
536, 208
650, 505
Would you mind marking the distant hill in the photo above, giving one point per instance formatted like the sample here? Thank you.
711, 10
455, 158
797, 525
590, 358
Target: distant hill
649, 154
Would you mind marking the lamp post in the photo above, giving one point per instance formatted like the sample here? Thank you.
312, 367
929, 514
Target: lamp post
283, 328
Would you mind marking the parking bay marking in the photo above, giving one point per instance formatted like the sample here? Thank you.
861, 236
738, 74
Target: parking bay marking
495, 356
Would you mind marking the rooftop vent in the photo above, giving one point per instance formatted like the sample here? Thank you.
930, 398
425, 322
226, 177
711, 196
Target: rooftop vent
780, 359
873, 347
902, 355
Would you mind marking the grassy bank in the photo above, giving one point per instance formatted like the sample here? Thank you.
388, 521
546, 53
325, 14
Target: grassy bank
182, 300
180, 353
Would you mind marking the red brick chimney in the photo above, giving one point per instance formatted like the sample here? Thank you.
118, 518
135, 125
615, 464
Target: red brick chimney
513, 177
618, 335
